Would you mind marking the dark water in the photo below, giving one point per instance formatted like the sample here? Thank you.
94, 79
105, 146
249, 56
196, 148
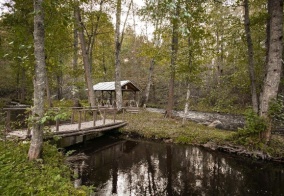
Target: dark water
124, 167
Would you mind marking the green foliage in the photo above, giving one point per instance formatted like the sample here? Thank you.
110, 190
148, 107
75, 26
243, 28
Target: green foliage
275, 111
49, 176
254, 124
51, 116
218, 101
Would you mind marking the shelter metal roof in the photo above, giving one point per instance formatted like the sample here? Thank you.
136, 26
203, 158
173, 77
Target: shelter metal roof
110, 86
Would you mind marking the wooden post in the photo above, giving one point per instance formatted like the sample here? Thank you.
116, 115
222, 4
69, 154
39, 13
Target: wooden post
84, 139
104, 120
85, 115
114, 115
73, 116
8, 120
80, 116
57, 125
94, 117
29, 128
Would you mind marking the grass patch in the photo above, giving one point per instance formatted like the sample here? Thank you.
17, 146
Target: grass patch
154, 126
47, 176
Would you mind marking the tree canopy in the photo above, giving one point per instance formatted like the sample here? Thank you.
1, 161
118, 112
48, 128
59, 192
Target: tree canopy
167, 44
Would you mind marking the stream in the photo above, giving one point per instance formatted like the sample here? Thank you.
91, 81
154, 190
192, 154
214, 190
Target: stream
118, 166
227, 121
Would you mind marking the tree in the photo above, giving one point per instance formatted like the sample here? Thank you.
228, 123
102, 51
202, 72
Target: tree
118, 44
39, 82
254, 96
154, 54
274, 64
86, 59
118, 92
174, 53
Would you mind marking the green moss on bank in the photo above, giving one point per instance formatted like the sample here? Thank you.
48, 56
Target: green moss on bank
49, 176
155, 126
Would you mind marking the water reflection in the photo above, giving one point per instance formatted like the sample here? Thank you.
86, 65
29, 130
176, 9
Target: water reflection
123, 167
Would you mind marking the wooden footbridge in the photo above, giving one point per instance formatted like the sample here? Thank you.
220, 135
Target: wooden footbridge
81, 122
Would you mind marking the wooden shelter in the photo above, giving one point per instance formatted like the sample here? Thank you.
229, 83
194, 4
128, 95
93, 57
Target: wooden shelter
105, 93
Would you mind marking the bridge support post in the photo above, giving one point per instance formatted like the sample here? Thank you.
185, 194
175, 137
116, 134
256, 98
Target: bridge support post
94, 117
104, 120
73, 116
84, 139
80, 119
85, 115
57, 125
8, 121
29, 125
114, 115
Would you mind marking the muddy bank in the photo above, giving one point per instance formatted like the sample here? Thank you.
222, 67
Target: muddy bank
242, 151
222, 121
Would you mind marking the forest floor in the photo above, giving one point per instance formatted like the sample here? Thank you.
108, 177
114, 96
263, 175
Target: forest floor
154, 126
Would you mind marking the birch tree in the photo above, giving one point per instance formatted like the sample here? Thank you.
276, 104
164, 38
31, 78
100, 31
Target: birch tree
118, 43
118, 92
274, 64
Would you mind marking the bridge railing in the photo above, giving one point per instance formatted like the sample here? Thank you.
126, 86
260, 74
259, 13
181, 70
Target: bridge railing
74, 114
20, 111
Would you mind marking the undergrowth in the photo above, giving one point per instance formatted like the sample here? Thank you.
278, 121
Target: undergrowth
47, 176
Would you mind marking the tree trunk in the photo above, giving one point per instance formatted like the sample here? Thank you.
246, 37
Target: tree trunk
39, 82
93, 34
250, 58
104, 63
175, 25
23, 85
267, 34
48, 94
118, 91
186, 103
219, 45
75, 59
272, 79
86, 60
149, 82
59, 85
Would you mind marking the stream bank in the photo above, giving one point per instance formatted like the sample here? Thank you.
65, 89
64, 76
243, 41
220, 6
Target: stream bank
152, 125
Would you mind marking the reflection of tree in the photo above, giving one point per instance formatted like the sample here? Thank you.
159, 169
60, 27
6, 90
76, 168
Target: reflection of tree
169, 170
114, 176
145, 168
151, 173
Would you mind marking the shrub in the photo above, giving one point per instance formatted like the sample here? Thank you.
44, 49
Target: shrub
276, 111
254, 124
